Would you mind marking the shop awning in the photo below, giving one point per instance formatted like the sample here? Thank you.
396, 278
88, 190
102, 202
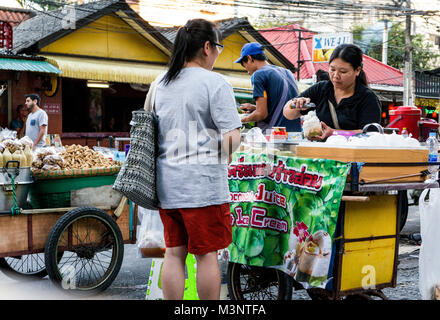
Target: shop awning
125, 72
238, 79
28, 65
106, 70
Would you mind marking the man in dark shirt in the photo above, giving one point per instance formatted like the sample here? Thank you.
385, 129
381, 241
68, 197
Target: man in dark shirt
273, 86
19, 124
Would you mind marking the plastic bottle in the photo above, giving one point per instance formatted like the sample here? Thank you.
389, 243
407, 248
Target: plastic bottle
29, 156
432, 144
23, 160
404, 133
16, 156
7, 156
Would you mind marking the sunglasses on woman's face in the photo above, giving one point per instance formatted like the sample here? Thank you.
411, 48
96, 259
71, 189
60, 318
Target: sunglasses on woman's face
219, 47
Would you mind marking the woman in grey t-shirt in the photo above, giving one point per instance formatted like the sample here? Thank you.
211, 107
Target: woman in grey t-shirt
198, 129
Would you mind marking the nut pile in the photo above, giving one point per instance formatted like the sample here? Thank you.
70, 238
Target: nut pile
71, 157
79, 157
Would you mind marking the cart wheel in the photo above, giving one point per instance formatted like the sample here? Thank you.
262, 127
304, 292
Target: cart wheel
257, 283
403, 208
92, 247
25, 267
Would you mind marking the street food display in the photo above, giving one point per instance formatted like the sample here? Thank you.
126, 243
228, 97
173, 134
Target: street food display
311, 125
376, 153
70, 159
299, 206
19, 150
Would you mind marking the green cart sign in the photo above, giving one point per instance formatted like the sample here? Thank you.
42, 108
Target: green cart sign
284, 212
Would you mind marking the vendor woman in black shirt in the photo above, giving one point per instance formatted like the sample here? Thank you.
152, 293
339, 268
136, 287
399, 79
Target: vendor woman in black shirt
354, 103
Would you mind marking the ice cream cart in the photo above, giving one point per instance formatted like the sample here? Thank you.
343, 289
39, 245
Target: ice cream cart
350, 253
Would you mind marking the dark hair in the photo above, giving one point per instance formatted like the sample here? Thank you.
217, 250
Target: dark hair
260, 56
34, 96
189, 40
321, 75
353, 55
19, 107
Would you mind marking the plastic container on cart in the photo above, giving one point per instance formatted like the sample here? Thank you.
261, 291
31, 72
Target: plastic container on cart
426, 125
406, 117
432, 144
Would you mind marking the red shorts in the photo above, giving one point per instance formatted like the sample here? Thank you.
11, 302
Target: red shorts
201, 230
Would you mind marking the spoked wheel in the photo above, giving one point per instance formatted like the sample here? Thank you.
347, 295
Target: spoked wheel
92, 247
25, 267
257, 283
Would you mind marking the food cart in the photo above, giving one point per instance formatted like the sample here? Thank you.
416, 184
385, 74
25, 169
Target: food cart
340, 240
68, 224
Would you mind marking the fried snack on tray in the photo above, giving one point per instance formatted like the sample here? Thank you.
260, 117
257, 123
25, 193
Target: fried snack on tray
79, 157
73, 157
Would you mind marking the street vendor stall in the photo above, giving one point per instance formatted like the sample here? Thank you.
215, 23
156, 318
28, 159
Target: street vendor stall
320, 216
60, 217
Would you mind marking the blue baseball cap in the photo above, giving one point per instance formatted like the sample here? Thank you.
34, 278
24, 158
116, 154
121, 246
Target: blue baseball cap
250, 49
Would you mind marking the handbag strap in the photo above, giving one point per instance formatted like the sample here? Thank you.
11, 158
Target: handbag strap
151, 97
283, 99
334, 115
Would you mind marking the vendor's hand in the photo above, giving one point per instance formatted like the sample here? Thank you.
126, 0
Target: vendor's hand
248, 107
326, 132
298, 103
244, 119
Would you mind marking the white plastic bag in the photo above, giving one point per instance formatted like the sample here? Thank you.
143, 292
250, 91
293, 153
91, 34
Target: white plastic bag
255, 136
150, 240
429, 258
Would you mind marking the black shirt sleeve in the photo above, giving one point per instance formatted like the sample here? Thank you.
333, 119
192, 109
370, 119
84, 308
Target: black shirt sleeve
369, 109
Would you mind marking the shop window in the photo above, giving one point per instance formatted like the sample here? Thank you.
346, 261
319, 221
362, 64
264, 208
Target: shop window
99, 109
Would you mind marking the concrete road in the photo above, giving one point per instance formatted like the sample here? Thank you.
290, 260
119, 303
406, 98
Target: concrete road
132, 279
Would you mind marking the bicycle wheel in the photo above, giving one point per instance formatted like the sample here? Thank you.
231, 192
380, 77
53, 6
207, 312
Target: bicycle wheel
257, 283
25, 267
92, 248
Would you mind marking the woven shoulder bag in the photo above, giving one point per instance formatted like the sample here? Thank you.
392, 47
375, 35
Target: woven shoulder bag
137, 177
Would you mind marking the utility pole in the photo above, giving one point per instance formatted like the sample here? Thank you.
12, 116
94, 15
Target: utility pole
407, 73
385, 42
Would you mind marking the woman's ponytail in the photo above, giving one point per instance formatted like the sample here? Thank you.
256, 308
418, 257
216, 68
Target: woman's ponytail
178, 57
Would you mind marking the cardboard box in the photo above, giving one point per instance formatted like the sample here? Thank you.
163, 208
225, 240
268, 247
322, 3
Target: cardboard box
372, 155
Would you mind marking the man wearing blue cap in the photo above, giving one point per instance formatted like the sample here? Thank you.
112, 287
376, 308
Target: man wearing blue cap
273, 86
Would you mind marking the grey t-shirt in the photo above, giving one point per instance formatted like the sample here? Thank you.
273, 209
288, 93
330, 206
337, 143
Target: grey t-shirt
33, 123
194, 110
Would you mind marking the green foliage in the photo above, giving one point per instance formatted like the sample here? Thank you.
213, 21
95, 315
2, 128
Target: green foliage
422, 54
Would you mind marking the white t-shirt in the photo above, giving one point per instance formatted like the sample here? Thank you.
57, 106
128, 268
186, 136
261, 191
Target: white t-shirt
33, 123
194, 110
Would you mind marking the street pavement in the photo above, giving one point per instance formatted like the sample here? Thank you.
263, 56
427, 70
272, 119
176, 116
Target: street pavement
131, 282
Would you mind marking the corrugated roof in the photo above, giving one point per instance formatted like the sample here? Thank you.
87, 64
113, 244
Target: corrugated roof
47, 27
46, 24
226, 26
28, 65
285, 39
